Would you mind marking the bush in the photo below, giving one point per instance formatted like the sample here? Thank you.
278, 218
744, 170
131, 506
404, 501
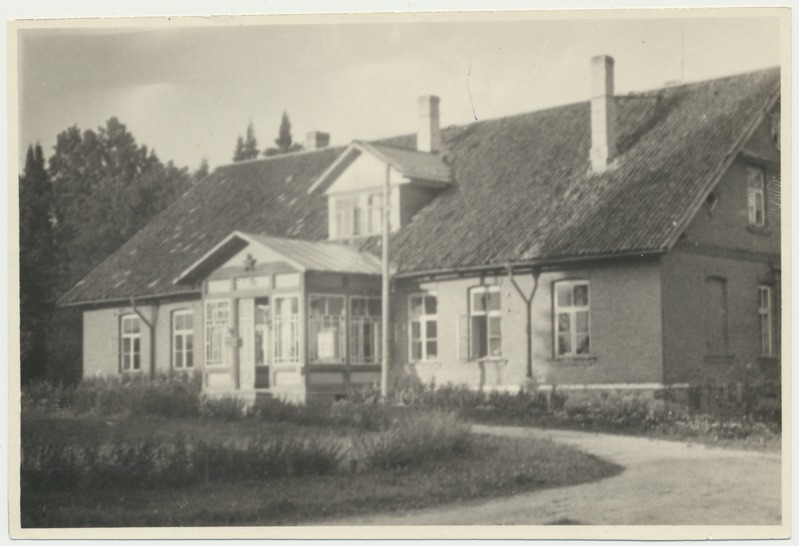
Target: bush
174, 395
224, 409
412, 440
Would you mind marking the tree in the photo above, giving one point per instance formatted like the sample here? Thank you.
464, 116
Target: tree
246, 148
105, 188
284, 139
202, 171
37, 264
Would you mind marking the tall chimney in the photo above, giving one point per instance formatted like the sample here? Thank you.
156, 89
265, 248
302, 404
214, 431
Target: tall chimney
316, 140
428, 139
603, 113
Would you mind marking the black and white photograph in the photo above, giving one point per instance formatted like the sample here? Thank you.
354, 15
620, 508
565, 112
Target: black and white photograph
309, 276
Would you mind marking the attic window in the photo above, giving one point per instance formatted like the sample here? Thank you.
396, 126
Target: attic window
711, 201
358, 215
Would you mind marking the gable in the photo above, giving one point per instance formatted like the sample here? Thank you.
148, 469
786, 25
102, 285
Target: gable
365, 172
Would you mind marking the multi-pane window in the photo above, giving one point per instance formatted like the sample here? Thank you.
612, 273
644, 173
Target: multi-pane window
287, 329
755, 180
572, 318
183, 339
716, 316
326, 328
764, 311
217, 332
423, 327
365, 333
357, 215
485, 322
130, 343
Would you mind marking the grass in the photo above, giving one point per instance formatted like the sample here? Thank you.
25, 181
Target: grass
490, 466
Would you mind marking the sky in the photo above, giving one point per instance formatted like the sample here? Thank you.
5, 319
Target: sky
190, 92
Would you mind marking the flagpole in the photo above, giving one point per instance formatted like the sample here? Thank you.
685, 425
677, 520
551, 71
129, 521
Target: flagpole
385, 299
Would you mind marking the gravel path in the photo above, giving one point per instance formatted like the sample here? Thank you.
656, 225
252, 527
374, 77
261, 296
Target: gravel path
664, 483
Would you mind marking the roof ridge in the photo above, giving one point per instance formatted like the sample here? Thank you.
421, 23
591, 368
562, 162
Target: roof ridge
296, 153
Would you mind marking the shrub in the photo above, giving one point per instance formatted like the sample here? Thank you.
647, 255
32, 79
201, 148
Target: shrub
412, 440
224, 409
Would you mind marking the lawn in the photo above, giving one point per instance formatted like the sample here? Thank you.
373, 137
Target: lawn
489, 467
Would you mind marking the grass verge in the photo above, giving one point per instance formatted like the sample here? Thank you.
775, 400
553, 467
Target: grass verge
492, 467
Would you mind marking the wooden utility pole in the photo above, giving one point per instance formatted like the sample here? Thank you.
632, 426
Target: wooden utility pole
386, 280
528, 300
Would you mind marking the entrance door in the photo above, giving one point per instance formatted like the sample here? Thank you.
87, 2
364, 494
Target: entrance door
262, 325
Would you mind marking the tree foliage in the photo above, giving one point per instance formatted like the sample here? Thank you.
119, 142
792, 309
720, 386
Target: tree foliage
246, 148
284, 139
38, 264
106, 187
102, 188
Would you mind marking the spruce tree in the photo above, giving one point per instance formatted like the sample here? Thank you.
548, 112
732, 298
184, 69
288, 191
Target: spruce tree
37, 264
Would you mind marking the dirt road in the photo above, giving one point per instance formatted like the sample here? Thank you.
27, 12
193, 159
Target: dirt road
664, 483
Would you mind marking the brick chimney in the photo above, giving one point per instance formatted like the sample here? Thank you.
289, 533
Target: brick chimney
603, 113
428, 139
316, 140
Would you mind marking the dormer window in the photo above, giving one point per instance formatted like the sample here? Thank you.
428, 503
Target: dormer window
358, 215
755, 179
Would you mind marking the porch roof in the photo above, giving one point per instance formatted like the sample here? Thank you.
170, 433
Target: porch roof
303, 255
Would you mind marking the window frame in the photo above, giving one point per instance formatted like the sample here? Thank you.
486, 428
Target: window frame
135, 340
353, 320
206, 328
756, 196
359, 214
571, 310
423, 319
766, 321
342, 325
182, 333
295, 336
488, 314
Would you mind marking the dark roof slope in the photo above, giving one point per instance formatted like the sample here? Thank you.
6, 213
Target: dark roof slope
522, 190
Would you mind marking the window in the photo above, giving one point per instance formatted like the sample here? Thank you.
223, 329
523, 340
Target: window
357, 215
130, 352
326, 328
183, 339
365, 333
423, 327
485, 322
287, 329
217, 331
572, 319
716, 316
764, 311
755, 179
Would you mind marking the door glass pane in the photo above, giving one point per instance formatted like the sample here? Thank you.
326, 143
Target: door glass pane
416, 307
478, 301
494, 326
416, 330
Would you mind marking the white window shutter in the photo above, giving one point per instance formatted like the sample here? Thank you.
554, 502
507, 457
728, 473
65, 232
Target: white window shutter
463, 339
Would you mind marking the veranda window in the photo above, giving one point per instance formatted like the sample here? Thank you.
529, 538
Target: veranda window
183, 339
423, 327
287, 329
572, 318
365, 333
217, 331
130, 343
326, 328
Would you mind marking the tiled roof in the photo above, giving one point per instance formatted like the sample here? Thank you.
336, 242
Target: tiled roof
521, 191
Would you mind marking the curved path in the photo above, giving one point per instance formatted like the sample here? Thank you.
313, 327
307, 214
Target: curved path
664, 483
